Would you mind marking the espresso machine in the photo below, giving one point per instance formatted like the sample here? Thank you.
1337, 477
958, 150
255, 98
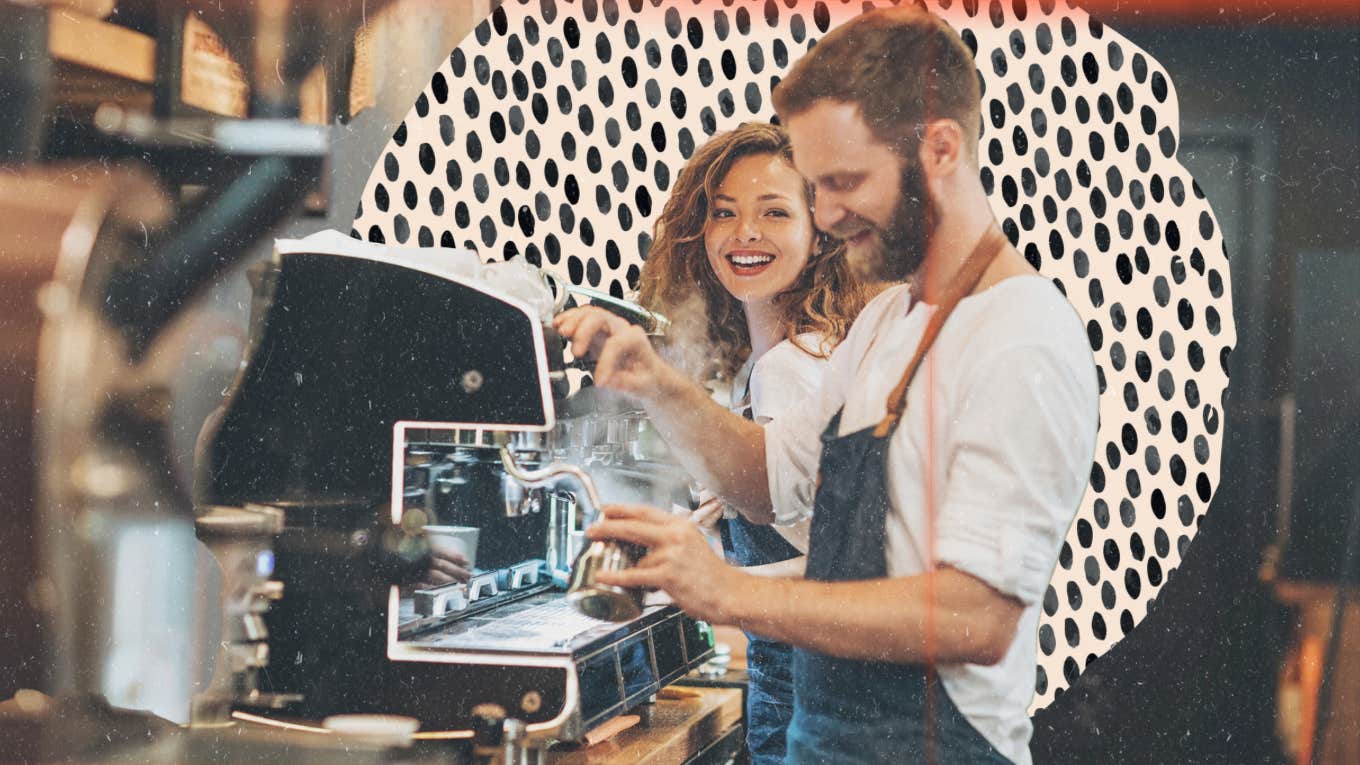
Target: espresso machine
392, 402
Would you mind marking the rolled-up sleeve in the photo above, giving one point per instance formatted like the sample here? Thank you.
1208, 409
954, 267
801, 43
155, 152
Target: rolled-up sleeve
784, 381
1018, 456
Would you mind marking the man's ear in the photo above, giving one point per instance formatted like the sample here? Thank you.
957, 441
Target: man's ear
941, 148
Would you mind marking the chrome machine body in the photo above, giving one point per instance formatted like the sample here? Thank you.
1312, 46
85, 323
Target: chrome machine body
386, 396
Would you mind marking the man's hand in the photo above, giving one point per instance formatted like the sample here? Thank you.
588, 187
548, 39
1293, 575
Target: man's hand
446, 565
945, 616
678, 559
624, 358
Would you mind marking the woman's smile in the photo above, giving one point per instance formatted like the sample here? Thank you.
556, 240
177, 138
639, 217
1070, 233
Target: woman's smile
749, 262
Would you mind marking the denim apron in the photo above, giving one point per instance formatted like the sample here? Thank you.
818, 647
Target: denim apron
859, 711
769, 694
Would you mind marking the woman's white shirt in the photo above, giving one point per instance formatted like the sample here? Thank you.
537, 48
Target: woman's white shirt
780, 382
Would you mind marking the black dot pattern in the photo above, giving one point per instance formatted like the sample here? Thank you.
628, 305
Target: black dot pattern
553, 133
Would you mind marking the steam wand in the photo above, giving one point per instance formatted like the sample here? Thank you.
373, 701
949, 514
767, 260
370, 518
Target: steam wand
599, 601
550, 475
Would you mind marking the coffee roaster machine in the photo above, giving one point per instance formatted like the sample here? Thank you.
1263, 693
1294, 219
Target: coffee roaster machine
387, 397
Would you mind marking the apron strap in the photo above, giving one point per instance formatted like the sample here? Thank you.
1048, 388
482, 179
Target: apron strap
963, 284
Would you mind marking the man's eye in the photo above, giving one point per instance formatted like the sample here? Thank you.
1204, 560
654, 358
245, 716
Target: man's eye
842, 183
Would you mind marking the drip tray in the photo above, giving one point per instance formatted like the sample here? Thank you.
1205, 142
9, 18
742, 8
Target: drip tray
542, 623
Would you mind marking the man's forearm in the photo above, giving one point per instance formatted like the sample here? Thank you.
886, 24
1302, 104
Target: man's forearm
949, 617
723, 451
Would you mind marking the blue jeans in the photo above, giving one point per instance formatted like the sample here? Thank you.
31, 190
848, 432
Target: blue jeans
816, 739
769, 700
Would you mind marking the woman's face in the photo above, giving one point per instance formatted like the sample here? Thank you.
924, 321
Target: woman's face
759, 232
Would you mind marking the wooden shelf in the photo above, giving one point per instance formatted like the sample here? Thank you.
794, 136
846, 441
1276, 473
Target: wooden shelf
1301, 677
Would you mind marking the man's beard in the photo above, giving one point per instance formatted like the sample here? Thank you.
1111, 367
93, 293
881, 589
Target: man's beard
893, 252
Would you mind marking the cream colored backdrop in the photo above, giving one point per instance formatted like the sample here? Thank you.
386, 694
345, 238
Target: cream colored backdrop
553, 133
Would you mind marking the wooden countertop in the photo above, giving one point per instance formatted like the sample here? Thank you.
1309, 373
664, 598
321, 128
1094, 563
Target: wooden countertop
671, 731
683, 724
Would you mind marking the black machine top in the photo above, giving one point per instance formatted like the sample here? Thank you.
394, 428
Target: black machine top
344, 348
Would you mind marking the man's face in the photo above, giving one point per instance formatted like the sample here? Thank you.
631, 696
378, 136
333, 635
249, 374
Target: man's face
867, 194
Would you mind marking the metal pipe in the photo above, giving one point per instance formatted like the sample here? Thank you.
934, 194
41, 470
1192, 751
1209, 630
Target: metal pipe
653, 323
598, 601
204, 243
550, 475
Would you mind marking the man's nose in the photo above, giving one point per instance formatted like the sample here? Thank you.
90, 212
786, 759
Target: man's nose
827, 212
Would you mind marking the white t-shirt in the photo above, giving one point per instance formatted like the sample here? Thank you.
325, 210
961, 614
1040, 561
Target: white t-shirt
780, 382
1012, 386
785, 377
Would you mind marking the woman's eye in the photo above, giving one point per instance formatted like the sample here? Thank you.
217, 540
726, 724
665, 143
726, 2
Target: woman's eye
778, 213
722, 214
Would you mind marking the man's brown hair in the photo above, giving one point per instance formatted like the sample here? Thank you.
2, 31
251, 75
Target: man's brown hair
904, 67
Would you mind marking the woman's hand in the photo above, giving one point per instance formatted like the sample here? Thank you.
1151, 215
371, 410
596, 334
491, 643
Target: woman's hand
708, 513
678, 560
624, 358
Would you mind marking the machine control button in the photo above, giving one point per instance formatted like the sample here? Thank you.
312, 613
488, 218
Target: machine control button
438, 601
531, 702
482, 586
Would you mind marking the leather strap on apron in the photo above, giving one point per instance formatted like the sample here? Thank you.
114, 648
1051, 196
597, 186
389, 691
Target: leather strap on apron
962, 285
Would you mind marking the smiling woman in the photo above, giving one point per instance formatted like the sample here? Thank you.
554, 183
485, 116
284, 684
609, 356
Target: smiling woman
735, 241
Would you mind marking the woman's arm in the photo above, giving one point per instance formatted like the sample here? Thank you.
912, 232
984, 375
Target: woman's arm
793, 568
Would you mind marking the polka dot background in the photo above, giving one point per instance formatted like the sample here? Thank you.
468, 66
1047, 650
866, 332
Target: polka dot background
555, 131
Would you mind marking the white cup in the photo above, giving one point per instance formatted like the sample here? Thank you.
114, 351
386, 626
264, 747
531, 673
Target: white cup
460, 539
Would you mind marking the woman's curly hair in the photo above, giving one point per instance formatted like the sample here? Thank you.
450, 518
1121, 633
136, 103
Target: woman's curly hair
824, 300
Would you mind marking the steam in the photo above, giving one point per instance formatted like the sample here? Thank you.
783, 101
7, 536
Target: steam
686, 345
659, 486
